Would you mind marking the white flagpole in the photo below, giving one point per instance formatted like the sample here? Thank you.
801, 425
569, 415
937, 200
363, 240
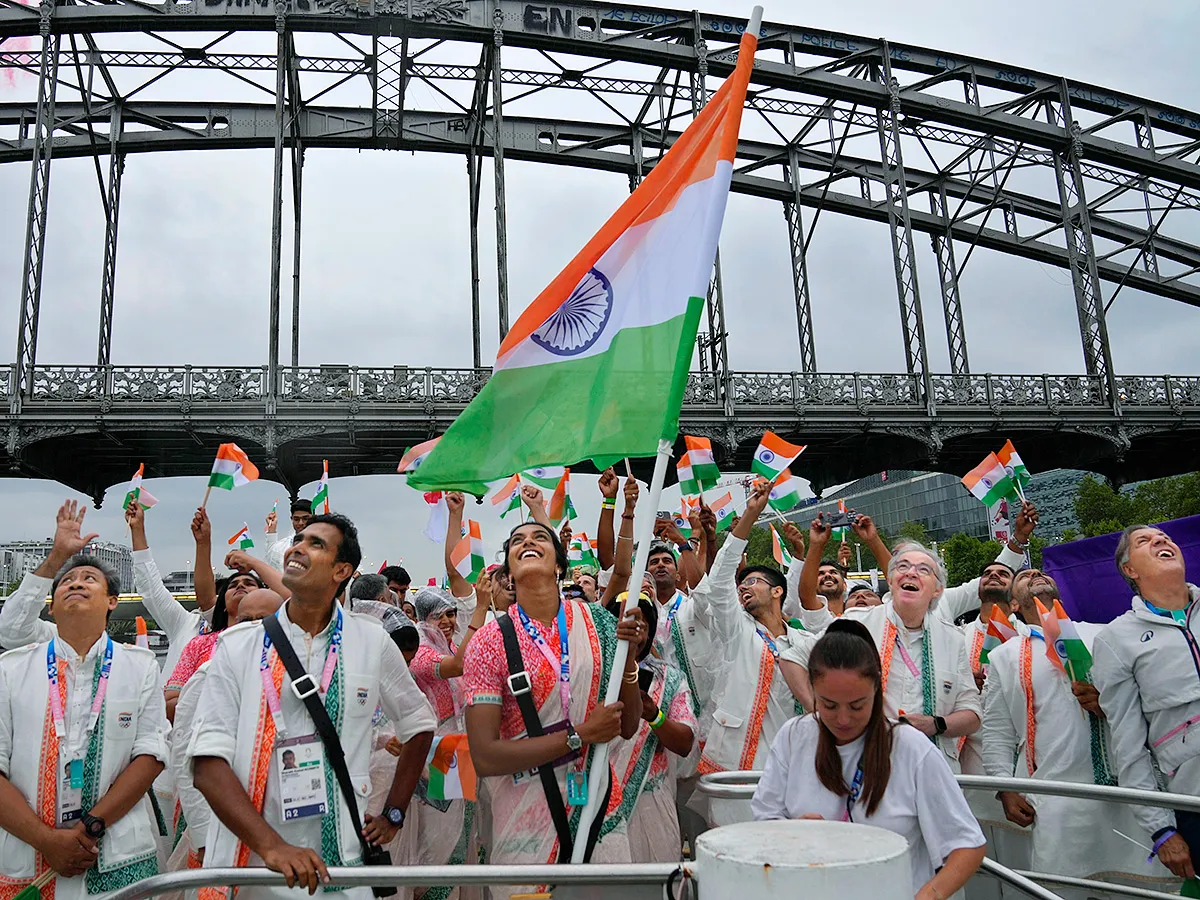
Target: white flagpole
643, 534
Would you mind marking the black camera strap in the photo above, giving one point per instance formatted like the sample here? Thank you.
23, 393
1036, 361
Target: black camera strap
325, 729
521, 686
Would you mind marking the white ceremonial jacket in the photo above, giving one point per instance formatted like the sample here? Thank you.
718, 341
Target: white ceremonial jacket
953, 683
227, 720
134, 724
741, 716
196, 811
1070, 836
1148, 671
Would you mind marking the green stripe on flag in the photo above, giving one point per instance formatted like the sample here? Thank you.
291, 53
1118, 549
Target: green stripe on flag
221, 480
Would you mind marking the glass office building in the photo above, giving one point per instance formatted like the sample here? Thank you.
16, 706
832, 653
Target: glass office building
941, 503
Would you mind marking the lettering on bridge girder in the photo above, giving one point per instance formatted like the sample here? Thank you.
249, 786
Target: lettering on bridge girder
547, 19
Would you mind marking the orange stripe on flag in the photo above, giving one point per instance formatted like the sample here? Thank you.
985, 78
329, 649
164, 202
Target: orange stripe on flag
780, 447
711, 138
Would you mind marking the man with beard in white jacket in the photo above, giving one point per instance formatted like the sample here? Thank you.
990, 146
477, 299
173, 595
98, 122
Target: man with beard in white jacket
1147, 667
1039, 724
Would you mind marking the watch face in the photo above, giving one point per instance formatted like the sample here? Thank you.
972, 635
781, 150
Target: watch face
94, 828
395, 816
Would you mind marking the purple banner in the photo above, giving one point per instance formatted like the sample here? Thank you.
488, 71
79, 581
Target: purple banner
1092, 588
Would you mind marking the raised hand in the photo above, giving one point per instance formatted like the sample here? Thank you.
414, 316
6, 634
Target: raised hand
565, 532
68, 525
631, 493
454, 502
1026, 522
864, 527
665, 529
531, 494
608, 484
202, 527
795, 537
818, 532
272, 521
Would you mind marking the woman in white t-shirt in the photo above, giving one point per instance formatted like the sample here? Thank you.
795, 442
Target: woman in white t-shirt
846, 762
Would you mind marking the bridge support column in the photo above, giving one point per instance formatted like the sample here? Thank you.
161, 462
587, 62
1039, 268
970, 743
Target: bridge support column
273, 385
943, 249
900, 226
297, 157
795, 223
474, 177
498, 160
1081, 253
39, 193
112, 216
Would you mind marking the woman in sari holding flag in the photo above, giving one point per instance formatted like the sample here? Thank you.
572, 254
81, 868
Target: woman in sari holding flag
447, 835
648, 765
566, 651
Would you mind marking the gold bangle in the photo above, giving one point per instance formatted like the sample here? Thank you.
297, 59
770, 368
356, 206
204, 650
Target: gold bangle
629, 680
621, 537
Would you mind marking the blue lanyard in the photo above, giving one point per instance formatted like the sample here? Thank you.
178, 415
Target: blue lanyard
855, 791
268, 683
564, 660
770, 644
674, 606
1178, 616
56, 710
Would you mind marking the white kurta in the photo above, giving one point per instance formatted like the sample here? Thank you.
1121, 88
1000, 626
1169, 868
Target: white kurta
134, 724
1070, 836
922, 801
744, 721
227, 721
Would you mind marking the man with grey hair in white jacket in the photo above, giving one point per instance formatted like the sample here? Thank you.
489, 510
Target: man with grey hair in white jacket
1147, 667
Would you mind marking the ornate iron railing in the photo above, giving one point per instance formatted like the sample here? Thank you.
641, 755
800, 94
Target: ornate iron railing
403, 385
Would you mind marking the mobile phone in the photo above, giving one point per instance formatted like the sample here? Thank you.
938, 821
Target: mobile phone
839, 519
664, 514
645, 679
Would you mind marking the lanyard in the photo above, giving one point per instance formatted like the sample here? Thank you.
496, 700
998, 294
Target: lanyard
766, 638
908, 660
855, 791
674, 606
56, 710
1178, 616
563, 664
268, 682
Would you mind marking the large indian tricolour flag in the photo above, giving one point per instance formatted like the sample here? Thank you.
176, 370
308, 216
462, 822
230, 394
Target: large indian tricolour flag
596, 366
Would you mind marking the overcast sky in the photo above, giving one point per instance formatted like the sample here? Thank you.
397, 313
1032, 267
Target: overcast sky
386, 266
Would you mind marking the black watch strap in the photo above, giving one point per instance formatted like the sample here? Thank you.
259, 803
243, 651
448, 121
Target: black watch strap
93, 825
940, 724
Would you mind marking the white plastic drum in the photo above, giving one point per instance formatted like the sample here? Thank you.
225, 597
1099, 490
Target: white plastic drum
815, 860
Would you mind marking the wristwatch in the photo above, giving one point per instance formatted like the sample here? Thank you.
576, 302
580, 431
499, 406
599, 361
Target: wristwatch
684, 547
394, 814
574, 742
93, 826
939, 724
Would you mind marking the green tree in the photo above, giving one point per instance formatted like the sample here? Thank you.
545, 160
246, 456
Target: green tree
914, 531
758, 548
1102, 510
965, 557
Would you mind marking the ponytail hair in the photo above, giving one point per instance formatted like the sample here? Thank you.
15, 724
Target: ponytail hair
848, 646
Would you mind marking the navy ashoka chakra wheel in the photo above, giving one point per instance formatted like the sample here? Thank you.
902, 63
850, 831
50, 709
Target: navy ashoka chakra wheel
578, 323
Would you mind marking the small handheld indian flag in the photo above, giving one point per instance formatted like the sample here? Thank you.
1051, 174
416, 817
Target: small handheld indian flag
1015, 467
1064, 647
468, 555
414, 456
688, 482
988, 481
142, 638
242, 540
723, 509
581, 552
773, 456
545, 477
704, 464
785, 492
779, 550
451, 771
999, 630
560, 506
232, 468
139, 493
321, 497
33, 890
508, 498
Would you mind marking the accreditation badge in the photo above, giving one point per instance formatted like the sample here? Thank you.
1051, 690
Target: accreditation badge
69, 806
300, 764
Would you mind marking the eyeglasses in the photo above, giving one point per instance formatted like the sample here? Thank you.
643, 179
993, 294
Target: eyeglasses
753, 580
925, 570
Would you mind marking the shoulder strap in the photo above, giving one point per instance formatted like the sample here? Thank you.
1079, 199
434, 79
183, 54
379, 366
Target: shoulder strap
320, 716
522, 689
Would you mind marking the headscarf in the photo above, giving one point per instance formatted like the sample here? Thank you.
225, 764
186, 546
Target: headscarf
431, 603
392, 617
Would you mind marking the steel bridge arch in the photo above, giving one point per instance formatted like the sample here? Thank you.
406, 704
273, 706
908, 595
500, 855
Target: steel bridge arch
950, 132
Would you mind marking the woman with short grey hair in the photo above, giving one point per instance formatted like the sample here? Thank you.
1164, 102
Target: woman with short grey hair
927, 680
